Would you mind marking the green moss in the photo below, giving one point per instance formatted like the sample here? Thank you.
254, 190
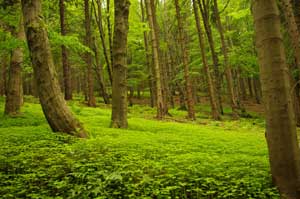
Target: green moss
151, 159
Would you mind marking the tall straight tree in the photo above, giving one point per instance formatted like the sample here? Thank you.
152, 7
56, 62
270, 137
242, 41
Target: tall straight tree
156, 65
281, 131
64, 54
88, 56
228, 73
14, 95
205, 12
53, 104
211, 87
98, 17
119, 86
185, 61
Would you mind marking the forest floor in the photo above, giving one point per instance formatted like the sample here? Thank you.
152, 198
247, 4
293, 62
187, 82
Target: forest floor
151, 159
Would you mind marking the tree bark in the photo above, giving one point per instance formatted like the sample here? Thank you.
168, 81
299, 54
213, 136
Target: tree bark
211, 88
281, 131
3, 75
156, 66
88, 56
185, 61
119, 89
228, 72
14, 95
64, 54
53, 104
100, 76
102, 37
204, 8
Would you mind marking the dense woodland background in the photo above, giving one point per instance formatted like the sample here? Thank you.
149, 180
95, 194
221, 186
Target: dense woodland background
208, 64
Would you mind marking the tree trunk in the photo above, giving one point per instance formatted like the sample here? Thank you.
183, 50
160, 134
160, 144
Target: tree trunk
256, 85
148, 60
100, 76
156, 66
14, 95
3, 75
217, 77
211, 88
280, 120
88, 56
119, 89
250, 86
53, 104
102, 37
228, 72
185, 61
64, 54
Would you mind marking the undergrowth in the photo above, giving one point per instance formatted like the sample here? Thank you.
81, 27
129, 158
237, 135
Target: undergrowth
152, 159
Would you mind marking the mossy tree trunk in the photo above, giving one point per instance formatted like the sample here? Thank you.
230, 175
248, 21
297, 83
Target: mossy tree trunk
53, 104
281, 131
119, 88
14, 95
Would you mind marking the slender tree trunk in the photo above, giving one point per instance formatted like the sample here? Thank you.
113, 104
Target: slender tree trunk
281, 128
185, 61
64, 52
228, 73
102, 37
54, 106
3, 75
211, 89
156, 66
119, 89
14, 97
100, 76
148, 59
88, 56
256, 85
250, 86
109, 31
217, 77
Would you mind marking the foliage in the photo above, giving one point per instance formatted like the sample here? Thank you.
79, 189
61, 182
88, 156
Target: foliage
149, 160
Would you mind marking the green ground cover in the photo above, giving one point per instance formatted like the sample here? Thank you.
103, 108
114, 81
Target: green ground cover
152, 159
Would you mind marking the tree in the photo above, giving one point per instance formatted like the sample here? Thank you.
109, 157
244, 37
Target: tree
53, 104
281, 134
64, 54
156, 65
119, 49
211, 88
88, 56
14, 97
185, 61
228, 72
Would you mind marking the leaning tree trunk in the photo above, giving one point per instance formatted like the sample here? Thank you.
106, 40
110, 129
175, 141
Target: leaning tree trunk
119, 88
281, 131
211, 88
14, 97
64, 54
228, 72
88, 56
54, 106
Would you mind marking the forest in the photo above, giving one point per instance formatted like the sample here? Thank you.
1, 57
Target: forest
154, 99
